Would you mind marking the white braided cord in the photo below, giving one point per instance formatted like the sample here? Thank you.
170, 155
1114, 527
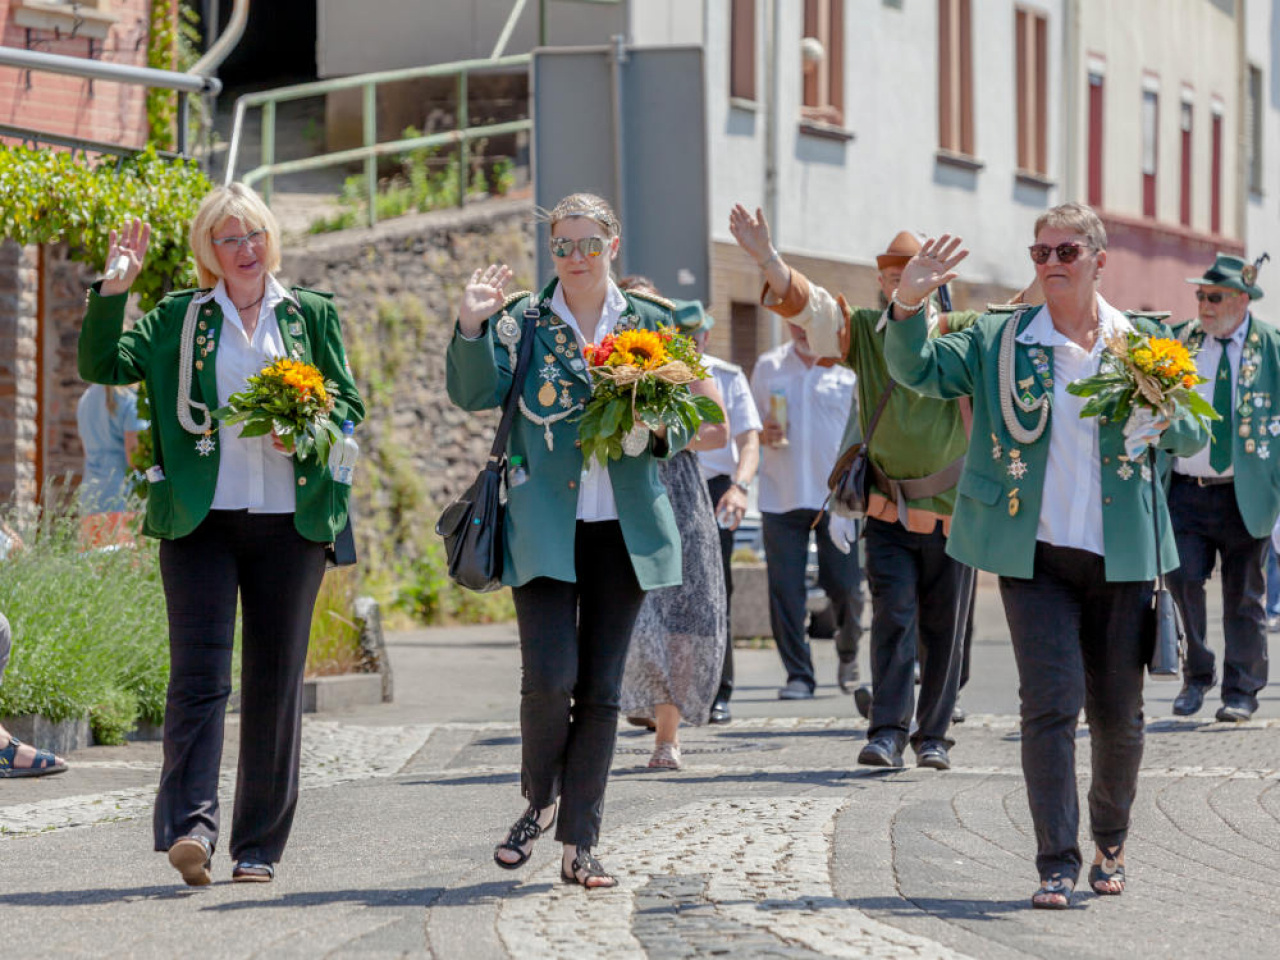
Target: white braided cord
186, 353
1009, 395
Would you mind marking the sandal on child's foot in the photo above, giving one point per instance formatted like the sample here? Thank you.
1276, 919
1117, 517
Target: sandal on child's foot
520, 839
1107, 878
1054, 893
587, 871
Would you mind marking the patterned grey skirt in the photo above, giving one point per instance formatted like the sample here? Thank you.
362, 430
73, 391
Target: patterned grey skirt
677, 646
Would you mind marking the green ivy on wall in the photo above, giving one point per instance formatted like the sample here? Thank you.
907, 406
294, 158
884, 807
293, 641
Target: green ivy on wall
47, 196
173, 41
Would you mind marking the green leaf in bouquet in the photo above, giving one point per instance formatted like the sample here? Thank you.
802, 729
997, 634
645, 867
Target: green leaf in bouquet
255, 428
1198, 405
614, 446
282, 427
708, 409
611, 419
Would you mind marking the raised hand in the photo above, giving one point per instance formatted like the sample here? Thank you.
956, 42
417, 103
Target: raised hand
482, 297
752, 233
129, 246
929, 269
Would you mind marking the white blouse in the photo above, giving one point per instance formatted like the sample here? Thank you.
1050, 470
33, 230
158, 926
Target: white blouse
252, 474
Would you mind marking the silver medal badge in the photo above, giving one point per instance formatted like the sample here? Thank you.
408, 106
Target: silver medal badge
508, 330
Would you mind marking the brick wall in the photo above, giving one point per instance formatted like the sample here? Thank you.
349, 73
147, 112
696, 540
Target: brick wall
110, 112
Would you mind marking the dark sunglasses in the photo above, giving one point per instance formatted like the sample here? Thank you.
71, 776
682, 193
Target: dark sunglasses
1067, 252
588, 246
1201, 296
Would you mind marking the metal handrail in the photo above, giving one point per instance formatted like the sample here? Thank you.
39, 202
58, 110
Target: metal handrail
184, 83
371, 149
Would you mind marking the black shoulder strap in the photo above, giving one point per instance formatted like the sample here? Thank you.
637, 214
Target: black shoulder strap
498, 451
875, 417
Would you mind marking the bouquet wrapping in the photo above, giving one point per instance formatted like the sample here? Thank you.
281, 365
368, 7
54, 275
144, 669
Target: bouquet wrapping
293, 399
641, 382
1152, 378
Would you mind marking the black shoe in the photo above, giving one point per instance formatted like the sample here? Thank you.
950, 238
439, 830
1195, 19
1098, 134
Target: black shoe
720, 712
933, 754
881, 752
795, 690
1234, 711
862, 701
847, 674
1189, 700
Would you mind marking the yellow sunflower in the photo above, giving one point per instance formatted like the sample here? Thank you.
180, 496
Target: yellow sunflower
640, 348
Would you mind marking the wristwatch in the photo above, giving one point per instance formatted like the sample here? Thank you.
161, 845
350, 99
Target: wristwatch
744, 487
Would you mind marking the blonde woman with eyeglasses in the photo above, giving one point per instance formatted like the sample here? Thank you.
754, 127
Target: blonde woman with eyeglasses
582, 542
237, 517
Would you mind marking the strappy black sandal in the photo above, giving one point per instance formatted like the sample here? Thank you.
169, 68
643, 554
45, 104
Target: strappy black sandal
586, 868
252, 870
1110, 870
1056, 886
523, 831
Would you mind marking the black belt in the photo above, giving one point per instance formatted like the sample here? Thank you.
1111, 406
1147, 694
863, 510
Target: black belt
1204, 481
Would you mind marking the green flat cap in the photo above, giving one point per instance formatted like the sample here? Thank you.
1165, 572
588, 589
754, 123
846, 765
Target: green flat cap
1232, 272
691, 316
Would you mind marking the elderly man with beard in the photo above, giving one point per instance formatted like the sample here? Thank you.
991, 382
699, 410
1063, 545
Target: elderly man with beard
1224, 500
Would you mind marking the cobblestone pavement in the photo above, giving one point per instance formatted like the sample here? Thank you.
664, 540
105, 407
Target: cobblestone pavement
771, 842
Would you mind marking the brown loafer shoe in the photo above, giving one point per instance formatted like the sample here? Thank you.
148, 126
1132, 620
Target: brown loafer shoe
191, 857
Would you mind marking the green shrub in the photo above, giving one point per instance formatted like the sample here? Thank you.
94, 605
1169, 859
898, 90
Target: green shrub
113, 716
90, 631
334, 646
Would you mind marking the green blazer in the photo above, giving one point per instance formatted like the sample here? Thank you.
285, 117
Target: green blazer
542, 512
177, 504
998, 509
1255, 422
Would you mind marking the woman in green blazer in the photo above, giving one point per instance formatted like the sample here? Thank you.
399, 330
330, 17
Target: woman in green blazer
1061, 508
582, 541
237, 516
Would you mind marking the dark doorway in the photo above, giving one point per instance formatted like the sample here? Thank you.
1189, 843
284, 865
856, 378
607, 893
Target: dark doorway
278, 46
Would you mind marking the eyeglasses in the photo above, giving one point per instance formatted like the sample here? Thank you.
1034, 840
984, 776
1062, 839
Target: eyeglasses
253, 236
562, 247
1201, 296
1067, 252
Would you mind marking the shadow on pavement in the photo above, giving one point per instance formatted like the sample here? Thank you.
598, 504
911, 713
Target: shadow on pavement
74, 898
493, 891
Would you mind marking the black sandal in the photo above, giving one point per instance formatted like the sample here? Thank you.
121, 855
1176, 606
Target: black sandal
1108, 871
525, 830
586, 868
1055, 886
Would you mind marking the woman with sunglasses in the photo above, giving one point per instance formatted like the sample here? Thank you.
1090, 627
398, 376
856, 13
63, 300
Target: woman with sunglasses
582, 542
237, 516
1060, 508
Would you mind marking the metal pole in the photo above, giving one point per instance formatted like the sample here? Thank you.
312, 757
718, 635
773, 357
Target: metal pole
464, 155
106, 70
371, 138
184, 121
542, 23
268, 146
619, 185
507, 28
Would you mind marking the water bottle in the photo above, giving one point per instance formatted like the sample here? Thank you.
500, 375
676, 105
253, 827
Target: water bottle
516, 472
344, 454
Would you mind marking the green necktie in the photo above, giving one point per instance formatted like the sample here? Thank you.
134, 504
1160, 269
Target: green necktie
1220, 450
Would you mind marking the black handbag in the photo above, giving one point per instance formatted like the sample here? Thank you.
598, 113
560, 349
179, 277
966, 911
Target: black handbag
342, 552
849, 482
1163, 627
472, 525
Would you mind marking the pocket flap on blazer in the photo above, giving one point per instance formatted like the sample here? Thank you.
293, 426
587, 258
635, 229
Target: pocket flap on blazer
983, 489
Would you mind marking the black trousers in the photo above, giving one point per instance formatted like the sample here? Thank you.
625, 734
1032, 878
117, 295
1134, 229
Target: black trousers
717, 486
786, 549
1207, 524
916, 594
573, 647
277, 574
1079, 642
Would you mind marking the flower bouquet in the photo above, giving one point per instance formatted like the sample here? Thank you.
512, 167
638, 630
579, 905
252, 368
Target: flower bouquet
1141, 373
641, 382
293, 399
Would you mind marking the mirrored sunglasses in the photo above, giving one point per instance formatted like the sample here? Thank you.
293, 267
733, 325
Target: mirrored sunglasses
253, 236
588, 246
1215, 297
1067, 252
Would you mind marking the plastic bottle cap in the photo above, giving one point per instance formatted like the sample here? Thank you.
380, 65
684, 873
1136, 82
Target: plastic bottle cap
517, 460
348, 427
